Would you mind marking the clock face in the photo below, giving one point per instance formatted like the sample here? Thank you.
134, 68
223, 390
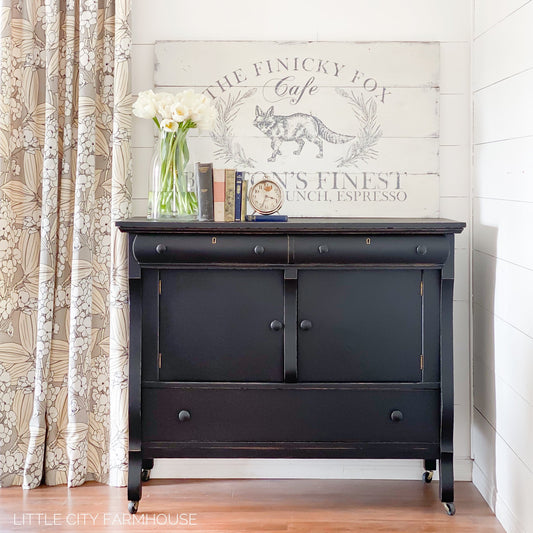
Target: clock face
266, 197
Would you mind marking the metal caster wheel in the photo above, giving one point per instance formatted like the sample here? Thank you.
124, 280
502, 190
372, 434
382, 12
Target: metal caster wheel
450, 508
145, 474
428, 476
133, 506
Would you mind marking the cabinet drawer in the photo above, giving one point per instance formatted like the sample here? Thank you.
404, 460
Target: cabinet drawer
418, 249
290, 414
210, 248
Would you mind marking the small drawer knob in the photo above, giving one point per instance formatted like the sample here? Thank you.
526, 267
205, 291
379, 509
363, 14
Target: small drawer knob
421, 249
396, 416
160, 248
184, 416
323, 249
306, 325
259, 250
276, 325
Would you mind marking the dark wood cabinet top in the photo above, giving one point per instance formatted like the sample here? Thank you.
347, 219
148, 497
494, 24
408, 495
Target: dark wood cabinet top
297, 225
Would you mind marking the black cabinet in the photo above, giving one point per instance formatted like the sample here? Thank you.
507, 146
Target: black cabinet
312, 338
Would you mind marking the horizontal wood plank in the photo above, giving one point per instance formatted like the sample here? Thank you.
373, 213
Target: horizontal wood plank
415, 65
494, 62
500, 110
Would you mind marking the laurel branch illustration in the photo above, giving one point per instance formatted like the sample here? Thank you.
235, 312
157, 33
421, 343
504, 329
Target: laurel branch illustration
222, 134
362, 149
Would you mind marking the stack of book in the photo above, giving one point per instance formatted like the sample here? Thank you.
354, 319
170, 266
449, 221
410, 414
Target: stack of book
221, 193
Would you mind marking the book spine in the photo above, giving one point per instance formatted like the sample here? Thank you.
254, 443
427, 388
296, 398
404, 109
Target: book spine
204, 177
229, 200
219, 193
244, 199
238, 195
266, 218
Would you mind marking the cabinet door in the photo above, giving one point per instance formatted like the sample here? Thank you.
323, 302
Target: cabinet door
215, 325
359, 325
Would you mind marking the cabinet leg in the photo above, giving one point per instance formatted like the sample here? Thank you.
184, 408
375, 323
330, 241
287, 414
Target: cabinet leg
147, 466
446, 478
430, 464
134, 480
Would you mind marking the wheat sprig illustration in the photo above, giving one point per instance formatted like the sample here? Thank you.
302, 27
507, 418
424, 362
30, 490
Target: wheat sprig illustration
363, 148
228, 148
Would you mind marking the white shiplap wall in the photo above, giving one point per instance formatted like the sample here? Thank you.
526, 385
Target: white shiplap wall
447, 21
502, 84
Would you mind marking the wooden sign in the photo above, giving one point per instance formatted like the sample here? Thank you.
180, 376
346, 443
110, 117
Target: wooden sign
348, 129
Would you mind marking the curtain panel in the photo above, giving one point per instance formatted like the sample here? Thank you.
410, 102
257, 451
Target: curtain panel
65, 174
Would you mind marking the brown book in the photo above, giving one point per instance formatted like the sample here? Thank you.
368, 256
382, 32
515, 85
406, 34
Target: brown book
229, 199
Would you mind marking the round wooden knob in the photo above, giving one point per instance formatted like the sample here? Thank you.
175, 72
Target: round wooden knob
160, 248
276, 325
306, 325
323, 249
184, 416
396, 416
259, 250
421, 249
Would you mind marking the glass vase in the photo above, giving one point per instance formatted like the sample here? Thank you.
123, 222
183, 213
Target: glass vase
172, 192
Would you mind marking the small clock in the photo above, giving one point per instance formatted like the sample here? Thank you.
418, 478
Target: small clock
266, 197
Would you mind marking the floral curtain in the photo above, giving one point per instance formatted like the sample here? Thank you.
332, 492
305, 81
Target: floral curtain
64, 178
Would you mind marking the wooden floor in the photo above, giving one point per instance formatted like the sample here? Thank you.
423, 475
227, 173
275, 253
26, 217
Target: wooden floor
248, 505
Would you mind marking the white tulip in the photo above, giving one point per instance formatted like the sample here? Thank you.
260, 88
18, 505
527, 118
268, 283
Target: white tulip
198, 112
180, 112
164, 103
206, 120
187, 98
169, 125
145, 105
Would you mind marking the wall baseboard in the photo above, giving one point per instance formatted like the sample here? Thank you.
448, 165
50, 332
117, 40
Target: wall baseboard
301, 468
487, 489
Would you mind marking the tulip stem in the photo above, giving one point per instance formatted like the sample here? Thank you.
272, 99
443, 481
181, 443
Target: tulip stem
172, 198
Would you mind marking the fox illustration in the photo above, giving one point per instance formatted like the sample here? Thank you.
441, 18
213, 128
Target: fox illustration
298, 127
